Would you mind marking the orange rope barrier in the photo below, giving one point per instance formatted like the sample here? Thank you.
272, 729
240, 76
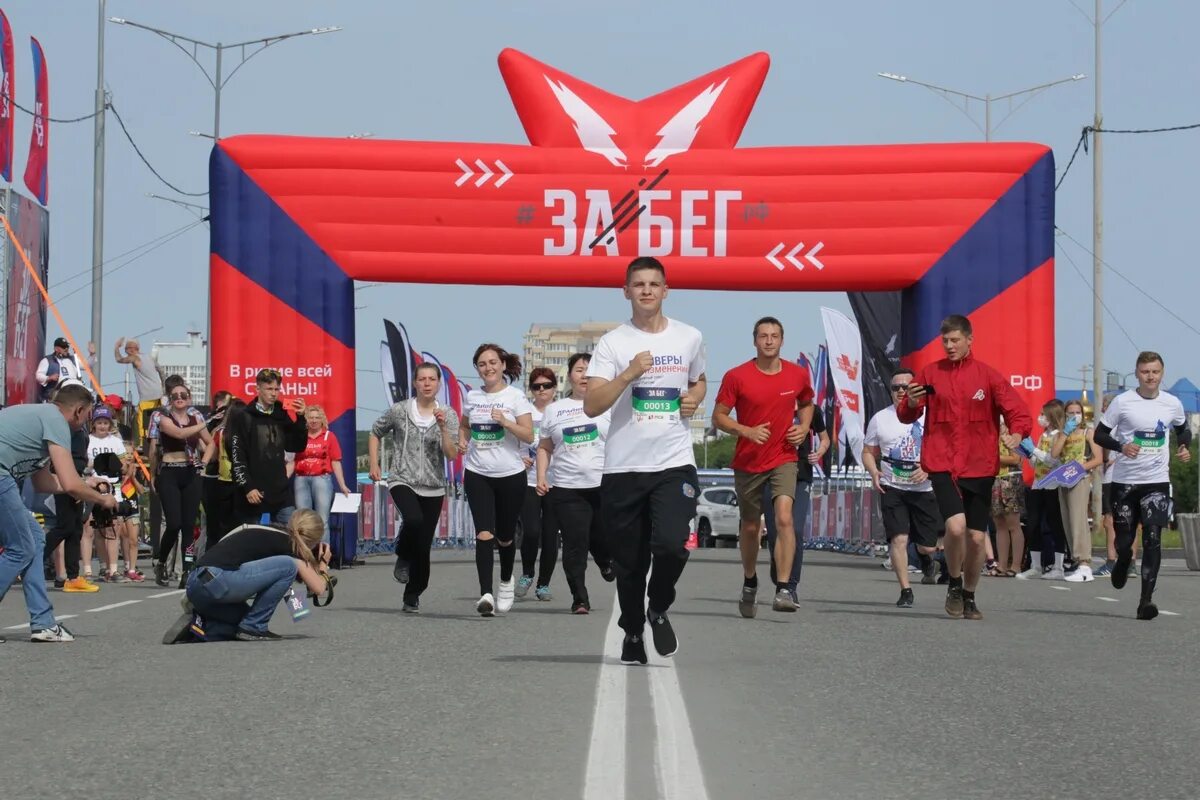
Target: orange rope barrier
37, 279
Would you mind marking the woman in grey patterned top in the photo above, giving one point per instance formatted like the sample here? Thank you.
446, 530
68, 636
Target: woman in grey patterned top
423, 435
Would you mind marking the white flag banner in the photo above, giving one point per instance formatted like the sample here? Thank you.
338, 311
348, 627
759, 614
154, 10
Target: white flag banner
845, 362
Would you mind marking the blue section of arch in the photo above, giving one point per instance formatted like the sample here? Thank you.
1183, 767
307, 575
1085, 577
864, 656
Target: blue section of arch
1011, 240
257, 238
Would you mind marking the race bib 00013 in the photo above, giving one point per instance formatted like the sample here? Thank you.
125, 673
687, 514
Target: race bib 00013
653, 404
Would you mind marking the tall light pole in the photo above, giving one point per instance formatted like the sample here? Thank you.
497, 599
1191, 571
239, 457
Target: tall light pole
246, 50
98, 201
987, 128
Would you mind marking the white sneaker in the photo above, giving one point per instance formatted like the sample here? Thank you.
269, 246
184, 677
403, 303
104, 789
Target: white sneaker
56, 634
486, 606
504, 598
1029, 574
1082, 574
1054, 574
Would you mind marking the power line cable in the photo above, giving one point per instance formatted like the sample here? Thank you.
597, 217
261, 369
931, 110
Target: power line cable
36, 115
1078, 272
1142, 291
1089, 129
150, 166
146, 252
88, 270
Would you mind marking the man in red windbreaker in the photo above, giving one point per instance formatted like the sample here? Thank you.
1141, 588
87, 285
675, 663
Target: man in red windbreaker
962, 399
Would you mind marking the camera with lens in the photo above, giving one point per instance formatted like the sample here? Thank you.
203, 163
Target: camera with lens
103, 517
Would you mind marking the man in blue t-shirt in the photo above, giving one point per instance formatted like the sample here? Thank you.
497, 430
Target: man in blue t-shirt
31, 437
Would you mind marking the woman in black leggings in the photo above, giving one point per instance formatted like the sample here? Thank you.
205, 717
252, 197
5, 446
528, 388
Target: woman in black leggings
496, 420
179, 430
570, 463
423, 437
538, 529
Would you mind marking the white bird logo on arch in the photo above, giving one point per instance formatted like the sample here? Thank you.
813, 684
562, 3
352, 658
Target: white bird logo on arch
596, 134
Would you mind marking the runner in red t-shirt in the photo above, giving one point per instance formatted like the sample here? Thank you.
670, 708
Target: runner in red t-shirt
773, 400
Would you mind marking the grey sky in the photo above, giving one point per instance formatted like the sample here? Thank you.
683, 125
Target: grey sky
428, 71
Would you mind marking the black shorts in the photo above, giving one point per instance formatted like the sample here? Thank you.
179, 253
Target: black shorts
969, 496
1106, 500
1147, 504
911, 513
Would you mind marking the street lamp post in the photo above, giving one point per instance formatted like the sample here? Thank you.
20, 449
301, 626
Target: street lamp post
987, 128
248, 50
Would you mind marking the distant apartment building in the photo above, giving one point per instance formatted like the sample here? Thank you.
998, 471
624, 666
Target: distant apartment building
550, 344
188, 360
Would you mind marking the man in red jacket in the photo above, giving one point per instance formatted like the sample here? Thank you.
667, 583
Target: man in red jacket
963, 399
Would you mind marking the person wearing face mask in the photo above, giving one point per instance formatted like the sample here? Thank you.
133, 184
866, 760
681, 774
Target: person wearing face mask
497, 421
1136, 424
1073, 443
423, 437
1044, 521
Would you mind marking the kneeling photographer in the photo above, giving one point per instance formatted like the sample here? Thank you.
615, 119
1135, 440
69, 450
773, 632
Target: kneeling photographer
255, 563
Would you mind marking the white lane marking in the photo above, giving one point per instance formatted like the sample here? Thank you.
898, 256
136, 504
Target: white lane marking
1108, 599
165, 594
605, 776
1169, 613
679, 774
1060, 588
57, 618
112, 606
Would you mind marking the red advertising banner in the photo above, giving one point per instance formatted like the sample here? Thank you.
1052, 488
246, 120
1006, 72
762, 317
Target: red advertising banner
26, 313
7, 86
37, 167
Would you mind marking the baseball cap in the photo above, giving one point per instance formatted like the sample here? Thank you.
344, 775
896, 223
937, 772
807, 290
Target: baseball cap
61, 342
102, 412
114, 400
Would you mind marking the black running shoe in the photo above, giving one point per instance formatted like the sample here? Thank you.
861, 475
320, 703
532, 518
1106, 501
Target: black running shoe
633, 650
906, 599
160, 574
608, 573
664, 635
580, 607
954, 600
970, 610
929, 573
183, 579
244, 635
1147, 611
400, 571
1120, 572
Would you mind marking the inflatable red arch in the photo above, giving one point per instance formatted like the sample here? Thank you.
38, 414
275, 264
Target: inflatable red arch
961, 228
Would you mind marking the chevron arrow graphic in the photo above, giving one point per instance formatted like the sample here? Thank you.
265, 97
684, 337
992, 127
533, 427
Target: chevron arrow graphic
791, 257
487, 173
507, 173
811, 255
467, 173
771, 257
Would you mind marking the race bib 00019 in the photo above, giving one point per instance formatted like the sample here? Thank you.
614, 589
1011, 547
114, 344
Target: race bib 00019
902, 471
653, 404
1152, 440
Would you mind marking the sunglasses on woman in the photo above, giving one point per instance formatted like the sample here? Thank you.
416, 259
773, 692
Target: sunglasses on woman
539, 387
180, 395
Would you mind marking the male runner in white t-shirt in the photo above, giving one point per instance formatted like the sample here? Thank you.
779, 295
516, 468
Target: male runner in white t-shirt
650, 372
1135, 425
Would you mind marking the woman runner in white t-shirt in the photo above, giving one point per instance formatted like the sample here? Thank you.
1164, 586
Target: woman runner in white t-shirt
570, 464
495, 421
538, 531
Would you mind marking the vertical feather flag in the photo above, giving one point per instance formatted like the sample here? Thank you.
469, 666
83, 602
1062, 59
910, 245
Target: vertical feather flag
7, 86
37, 167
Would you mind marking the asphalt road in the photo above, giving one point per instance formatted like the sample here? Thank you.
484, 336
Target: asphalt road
1057, 693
